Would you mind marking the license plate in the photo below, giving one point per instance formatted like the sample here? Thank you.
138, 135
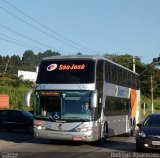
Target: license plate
155, 142
48, 125
77, 138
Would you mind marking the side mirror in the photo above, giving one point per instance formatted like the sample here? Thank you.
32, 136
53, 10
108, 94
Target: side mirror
94, 99
139, 125
28, 97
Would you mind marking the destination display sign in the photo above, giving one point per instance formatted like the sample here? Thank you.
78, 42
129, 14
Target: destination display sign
64, 67
66, 72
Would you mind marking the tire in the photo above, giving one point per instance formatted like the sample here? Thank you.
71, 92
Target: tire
131, 128
139, 149
104, 136
105, 130
105, 133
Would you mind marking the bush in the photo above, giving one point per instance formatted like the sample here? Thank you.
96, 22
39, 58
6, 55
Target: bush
16, 96
157, 104
16, 89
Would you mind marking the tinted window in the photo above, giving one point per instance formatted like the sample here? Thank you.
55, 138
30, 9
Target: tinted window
106, 72
116, 106
7, 115
66, 71
152, 121
19, 116
117, 75
99, 74
28, 114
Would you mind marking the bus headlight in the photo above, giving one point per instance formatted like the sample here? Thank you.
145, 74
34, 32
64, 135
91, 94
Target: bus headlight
85, 129
39, 127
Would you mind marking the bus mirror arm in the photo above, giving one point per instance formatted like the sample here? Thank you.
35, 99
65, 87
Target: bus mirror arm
28, 97
94, 99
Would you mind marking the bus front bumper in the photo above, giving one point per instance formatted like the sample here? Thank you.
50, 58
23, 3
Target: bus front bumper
60, 135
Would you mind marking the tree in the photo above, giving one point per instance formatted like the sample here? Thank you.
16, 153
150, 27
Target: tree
125, 60
28, 57
79, 53
15, 60
47, 53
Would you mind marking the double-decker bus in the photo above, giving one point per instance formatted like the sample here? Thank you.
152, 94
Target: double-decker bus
66, 83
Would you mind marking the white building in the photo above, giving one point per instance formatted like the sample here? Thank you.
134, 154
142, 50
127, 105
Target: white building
27, 75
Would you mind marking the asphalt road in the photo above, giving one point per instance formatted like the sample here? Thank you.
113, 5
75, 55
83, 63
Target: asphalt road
18, 144
24, 143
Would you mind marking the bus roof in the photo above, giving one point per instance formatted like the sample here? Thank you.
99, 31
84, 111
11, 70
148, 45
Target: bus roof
93, 57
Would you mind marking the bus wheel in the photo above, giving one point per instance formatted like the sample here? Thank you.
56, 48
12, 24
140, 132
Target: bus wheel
131, 129
103, 137
105, 132
133, 126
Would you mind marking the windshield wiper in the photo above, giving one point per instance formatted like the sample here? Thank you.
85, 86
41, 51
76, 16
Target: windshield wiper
77, 118
46, 117
50, 117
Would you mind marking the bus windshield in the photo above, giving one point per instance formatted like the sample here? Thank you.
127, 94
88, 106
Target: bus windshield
63, 105
66, 72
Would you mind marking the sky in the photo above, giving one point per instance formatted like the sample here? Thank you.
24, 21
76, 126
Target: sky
81, 26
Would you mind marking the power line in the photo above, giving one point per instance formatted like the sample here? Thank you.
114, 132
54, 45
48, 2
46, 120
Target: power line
36, 28
19, 42
24, 36
23, 43
12, 42
65, 38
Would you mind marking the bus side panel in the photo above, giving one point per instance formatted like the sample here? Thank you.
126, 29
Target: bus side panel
117, 120
117, 124
135, 104
138, 108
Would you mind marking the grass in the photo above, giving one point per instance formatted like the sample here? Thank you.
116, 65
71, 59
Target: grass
16, 96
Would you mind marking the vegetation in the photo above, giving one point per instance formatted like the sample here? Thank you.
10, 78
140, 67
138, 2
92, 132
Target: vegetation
12, 85
16, 88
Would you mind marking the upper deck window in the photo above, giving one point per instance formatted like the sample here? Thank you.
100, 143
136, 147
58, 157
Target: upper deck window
66, 72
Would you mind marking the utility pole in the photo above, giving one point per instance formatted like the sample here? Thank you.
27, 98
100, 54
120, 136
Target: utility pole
152, 105
6, 65
134, 64
155, 62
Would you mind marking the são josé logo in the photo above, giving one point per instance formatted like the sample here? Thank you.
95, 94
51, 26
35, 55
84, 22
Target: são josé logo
51, 67
65, 67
